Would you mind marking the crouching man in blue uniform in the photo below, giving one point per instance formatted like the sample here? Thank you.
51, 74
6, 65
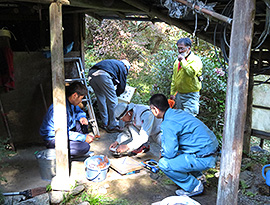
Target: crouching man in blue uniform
77, 124
187, 146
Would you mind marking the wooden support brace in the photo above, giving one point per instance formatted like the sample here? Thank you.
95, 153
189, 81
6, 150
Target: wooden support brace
61, 181
207, 12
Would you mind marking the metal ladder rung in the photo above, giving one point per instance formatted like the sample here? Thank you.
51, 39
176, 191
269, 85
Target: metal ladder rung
80, 69
68, 80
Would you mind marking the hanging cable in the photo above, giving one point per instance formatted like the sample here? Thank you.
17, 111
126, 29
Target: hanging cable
266, 30
227, 11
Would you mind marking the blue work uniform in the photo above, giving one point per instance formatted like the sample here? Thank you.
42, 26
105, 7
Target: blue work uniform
76, 135
187, 148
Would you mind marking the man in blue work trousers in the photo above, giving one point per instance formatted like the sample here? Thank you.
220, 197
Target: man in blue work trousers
77, 124
187, 146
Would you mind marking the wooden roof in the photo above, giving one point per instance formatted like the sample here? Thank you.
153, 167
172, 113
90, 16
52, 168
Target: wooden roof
153, 10
207, 27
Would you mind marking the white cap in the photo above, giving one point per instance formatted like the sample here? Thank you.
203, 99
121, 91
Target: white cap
127, 64
121, 110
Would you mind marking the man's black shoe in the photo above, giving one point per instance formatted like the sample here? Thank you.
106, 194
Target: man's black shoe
115, 129
142, 149
121, 154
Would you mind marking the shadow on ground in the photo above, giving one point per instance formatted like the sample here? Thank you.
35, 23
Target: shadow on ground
22, 173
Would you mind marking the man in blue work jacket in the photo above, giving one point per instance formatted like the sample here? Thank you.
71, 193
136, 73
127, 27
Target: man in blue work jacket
77, 124
187, 146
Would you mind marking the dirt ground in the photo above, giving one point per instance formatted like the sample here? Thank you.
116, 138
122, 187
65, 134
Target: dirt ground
145, 188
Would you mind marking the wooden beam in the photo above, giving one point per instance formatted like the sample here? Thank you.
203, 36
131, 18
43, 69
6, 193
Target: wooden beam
236, 101
59, 97
63, 2
248, 124
207, 12
261, 107
260, 134
98, 5
133, 19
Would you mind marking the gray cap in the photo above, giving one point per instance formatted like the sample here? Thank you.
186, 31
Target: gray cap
121, 110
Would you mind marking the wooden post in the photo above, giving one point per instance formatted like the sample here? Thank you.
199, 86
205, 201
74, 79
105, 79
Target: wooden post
248, 125
236, 101
59, 99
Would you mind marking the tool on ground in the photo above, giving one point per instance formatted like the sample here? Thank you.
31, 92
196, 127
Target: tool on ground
151, 164
30, 193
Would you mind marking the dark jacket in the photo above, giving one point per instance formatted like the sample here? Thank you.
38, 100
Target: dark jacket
117, 70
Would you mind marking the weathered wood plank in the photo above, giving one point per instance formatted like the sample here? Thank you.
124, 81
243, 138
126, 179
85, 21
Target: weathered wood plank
260, 134
58, 84
236, 101
65, 2
248, 125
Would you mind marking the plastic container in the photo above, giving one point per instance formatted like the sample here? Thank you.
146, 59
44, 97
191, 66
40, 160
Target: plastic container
5, 33
93, 172
47, 163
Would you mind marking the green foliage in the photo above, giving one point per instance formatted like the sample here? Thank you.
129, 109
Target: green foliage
213, 95
156, 79
244, 188
4, 153
210, 173
2, 199
249, 193
262, 158
247, 166
48, 188
66, 198
162, 70
99, 199
151, 49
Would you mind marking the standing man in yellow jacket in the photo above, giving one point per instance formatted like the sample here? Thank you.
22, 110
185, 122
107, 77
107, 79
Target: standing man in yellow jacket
186, 78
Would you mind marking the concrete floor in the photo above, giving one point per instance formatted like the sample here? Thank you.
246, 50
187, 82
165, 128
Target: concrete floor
23, 172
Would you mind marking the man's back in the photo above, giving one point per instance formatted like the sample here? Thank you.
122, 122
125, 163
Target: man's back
145, 118
184, 133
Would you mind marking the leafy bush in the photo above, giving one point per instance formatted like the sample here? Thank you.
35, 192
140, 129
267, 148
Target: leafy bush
151, 49
213, 95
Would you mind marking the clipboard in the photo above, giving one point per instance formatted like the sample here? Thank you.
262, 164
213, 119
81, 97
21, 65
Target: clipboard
125, 165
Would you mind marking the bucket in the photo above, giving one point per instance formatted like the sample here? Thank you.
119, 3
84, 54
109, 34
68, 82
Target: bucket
47, 164
266, 174
96, 168
5, 33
